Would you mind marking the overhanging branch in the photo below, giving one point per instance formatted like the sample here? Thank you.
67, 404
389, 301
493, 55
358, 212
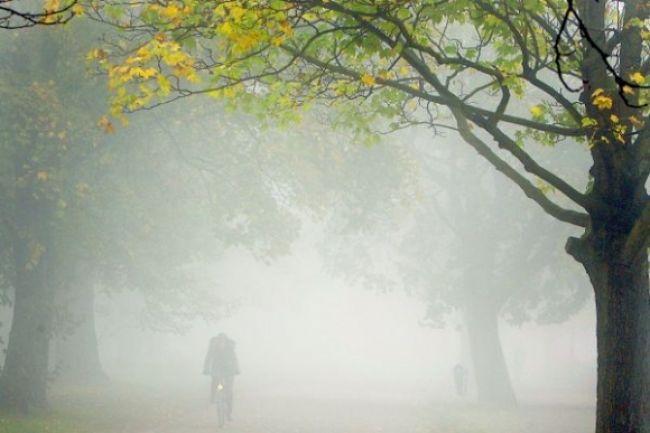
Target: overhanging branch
566, 215
12, 18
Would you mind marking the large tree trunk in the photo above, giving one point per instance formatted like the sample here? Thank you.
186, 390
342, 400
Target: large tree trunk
77, 353
490, 370
613, 250
623, 330
23, 383
35, 155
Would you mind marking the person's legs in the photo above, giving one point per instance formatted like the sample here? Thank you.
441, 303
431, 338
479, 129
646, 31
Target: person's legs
213, 388
229, 395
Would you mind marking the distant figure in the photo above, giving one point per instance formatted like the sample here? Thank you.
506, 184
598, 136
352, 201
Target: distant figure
222, 366
460, 379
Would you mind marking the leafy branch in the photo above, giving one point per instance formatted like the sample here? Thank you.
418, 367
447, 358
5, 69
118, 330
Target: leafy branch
13, 17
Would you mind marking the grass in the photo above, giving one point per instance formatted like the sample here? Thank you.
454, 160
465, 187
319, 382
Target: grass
93, 410
121, 408
52, 423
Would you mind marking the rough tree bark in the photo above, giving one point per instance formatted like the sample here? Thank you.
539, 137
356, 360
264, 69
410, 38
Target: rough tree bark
614, 247
623, 308
623, 329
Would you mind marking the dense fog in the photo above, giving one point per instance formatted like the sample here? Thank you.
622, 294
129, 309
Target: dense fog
303, 333
313, 266
303, 273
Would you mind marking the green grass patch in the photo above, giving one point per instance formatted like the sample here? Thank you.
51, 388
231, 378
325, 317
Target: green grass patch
53, 423
106, 409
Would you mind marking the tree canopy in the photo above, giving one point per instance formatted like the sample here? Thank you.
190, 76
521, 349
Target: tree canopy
465, 64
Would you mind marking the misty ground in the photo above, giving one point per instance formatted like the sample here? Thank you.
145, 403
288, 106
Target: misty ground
141, 409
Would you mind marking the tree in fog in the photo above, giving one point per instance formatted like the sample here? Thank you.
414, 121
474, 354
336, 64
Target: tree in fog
49, 117
137, 218
34, 142
81, 209
466, 245
134, 210
397, 55
476, 248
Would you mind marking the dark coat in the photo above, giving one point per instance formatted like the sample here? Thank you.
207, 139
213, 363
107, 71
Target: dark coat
221, 361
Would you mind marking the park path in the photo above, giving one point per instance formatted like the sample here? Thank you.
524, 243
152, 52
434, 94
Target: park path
274, 414
294, 414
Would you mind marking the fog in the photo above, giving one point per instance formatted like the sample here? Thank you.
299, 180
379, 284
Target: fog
303, 333
397, 285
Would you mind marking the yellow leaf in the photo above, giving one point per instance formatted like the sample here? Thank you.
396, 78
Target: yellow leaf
226, 28
215, 93
97, 54
598, 91
105, 125
628, 90
52, 5
286, 28
170, 11
614, 118
537, 111
164, 84
635, 121
603, 102
42, 175
77, 9
588, 121
637, 77
148, 73
144, 53
237, 12
368, 79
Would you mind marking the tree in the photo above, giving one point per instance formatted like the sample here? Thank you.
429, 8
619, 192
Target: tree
34, 129
48, 130
472, 249
394, 55
477, 249
127, 214
58, 172
135, 218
